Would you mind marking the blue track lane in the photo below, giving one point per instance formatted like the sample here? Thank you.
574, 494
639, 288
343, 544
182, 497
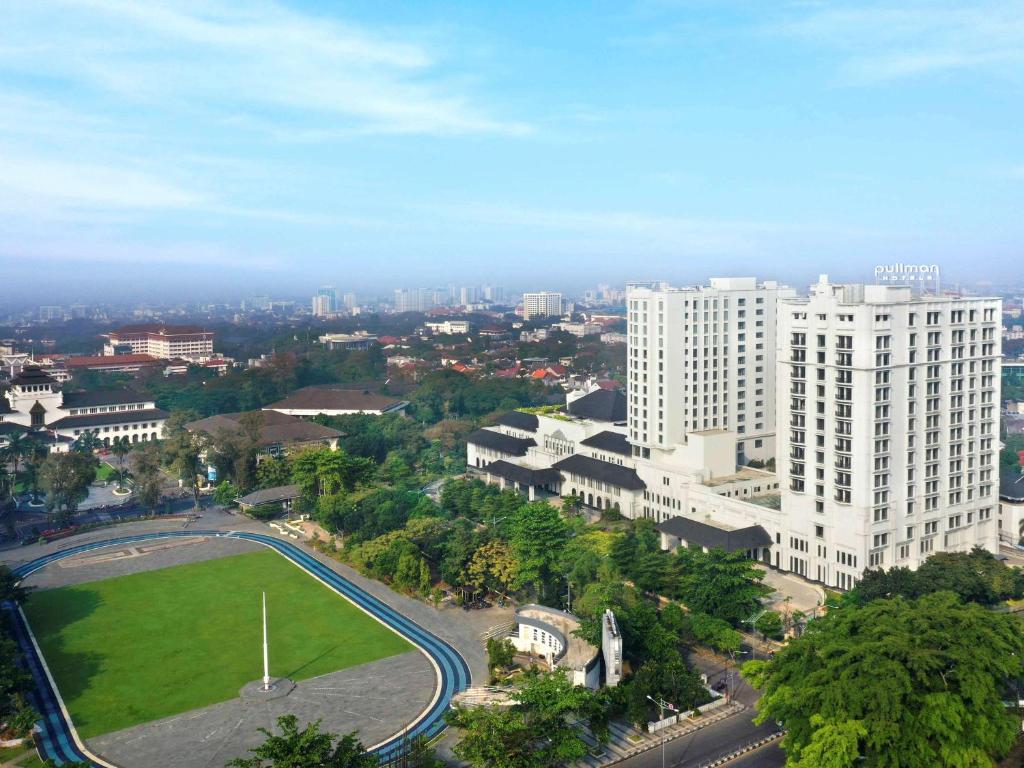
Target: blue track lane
56, 740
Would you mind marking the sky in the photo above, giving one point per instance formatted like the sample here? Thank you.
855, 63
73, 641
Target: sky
166, 149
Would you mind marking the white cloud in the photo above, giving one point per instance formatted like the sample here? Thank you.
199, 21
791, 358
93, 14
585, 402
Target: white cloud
895, 40
238, 58
30, 182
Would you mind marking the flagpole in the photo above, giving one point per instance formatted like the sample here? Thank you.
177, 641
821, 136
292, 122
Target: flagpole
266, 659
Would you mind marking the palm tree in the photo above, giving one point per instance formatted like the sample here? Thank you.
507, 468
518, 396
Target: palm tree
19, 445
120, 447
34, 454
88, 441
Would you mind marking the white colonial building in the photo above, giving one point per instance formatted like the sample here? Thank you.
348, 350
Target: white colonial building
35, 400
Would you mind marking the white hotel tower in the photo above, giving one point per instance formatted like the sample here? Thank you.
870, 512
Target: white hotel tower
703, 358
888, 427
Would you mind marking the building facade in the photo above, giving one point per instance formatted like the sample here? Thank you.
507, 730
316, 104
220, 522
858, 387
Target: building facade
703, 358
188, 342
35, 401
889, 446
542, 304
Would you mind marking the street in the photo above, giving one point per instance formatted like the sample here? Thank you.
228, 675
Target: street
719, 739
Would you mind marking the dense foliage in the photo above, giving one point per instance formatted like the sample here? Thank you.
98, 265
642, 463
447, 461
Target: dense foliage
895, 683
976, 576
537, 731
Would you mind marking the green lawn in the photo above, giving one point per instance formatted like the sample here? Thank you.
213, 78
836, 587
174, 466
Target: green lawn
137, 648
105, 472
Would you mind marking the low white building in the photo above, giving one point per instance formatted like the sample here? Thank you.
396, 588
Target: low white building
449, 327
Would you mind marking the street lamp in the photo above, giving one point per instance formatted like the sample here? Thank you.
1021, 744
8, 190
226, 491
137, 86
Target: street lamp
729, 672
662, 706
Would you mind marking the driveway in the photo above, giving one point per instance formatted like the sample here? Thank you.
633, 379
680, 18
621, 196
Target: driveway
803, 595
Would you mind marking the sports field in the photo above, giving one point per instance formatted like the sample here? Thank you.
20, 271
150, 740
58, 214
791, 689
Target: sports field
136, 648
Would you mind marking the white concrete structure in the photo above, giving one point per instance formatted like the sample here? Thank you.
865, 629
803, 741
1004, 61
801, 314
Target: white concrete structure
449, 327
701, 358
890, 446
189, 342
579, 329
542, 304
549, 633
323, 306
611, 649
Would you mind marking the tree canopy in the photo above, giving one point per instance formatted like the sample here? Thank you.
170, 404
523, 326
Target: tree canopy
895, 683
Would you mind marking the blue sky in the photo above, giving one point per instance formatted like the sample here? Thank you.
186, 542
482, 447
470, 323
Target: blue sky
223, 146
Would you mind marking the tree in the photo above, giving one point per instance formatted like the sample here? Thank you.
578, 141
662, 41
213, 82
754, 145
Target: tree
88, 442
184, 451
308, 748
537, 731
669, 680
896, 683
493, 566
500, 653
148, 479
769, 624
10, 586
726, 585
66, 478
120, 447
225, 493
538, 536
19, 446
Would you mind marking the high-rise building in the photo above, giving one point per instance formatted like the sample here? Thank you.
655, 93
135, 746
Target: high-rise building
50, 313
703, 358
542, 304
417, 299
327, 292
888, 443
494, 294
322, 306
349, 300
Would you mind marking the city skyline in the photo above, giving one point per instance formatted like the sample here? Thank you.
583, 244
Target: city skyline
401, 141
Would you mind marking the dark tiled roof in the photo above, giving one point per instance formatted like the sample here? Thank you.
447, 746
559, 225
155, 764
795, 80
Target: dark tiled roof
336, 399
270, 495
277, 428
496, 441
595, 469
32, 374
612, 442
102, 419
104, 397
600, 405
523, 475
519, 420
704, 535
1011, 486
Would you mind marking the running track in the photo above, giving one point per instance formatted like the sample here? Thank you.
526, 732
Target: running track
58, 741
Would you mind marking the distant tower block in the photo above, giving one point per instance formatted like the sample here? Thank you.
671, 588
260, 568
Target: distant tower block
611, 647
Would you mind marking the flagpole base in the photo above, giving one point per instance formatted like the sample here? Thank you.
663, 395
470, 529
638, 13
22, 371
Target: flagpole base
279, 688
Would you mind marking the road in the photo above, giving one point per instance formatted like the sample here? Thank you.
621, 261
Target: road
715, 741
